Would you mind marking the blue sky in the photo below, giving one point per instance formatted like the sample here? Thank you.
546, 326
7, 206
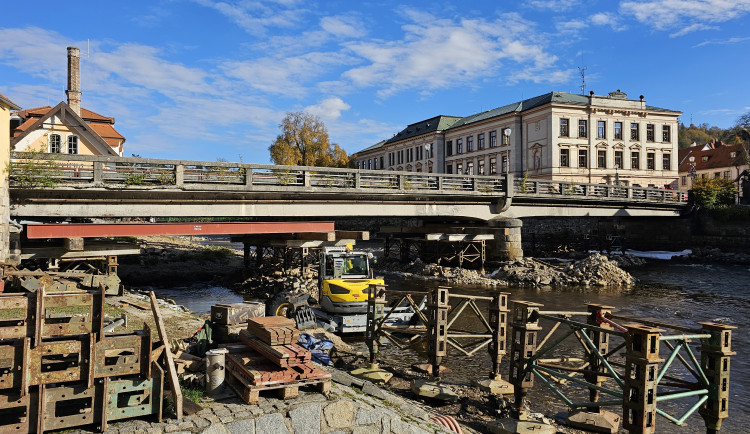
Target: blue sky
208, 80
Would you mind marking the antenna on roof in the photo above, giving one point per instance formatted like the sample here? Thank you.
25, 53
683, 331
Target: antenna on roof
582, 71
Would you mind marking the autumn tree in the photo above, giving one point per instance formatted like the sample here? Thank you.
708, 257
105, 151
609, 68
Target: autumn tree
304, 142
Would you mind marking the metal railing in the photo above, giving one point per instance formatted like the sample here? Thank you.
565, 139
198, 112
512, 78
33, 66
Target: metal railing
98, 171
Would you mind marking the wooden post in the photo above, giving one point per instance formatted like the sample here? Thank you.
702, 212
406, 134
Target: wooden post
171, 371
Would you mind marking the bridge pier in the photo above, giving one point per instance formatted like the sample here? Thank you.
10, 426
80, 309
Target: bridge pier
507, 243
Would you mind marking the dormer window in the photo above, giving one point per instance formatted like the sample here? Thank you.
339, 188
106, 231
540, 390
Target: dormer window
705, 158
72, 144
733, 154
54, 144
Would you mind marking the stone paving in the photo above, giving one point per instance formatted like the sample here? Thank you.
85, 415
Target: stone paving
353, 407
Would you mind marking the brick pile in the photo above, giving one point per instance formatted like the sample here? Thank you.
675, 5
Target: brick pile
272, 359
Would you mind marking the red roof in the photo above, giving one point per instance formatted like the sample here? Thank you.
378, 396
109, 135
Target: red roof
718, 157
103, 125
86, 114
7, 100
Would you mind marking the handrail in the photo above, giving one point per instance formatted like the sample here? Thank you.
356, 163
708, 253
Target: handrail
98, 171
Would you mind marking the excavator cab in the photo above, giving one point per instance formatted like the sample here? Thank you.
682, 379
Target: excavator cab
344, 277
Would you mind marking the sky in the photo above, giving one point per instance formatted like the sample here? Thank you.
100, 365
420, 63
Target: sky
211, 80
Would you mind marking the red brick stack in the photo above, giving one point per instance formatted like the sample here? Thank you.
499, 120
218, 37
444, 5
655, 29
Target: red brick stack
273, 360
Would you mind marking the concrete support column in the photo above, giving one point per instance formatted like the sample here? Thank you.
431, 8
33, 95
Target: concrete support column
507, 243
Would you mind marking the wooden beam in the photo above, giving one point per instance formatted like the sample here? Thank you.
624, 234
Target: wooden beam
317, 236
174, 382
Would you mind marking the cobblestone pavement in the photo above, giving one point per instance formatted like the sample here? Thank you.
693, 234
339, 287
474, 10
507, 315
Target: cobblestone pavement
353, 407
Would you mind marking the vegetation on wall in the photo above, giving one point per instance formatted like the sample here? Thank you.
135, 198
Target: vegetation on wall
35, 168
710, 193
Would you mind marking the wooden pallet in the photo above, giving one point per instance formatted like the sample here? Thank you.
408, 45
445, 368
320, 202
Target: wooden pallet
251, 394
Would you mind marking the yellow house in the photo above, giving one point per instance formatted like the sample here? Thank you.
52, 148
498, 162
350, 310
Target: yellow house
66, 128
6, 105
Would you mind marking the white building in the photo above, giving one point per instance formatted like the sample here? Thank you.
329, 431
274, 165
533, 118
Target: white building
558, 136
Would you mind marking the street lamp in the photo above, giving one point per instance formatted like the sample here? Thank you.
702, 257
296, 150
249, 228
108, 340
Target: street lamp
617, 175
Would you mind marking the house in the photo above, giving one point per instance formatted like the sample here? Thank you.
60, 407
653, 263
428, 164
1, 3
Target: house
712, 160
6, 105
66, 128
555, 136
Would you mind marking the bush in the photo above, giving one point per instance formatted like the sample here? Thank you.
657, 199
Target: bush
714, 192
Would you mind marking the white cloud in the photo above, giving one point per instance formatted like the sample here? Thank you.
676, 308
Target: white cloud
735, 40
571, 26
692, 28
329, 109
686, 15
606, 19
256, 16
556, 5
441, 53
345, 27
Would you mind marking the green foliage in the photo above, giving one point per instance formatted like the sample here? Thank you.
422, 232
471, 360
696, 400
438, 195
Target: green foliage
135, 178
36, 169
729, 213
304, 141
524, 182
714, 192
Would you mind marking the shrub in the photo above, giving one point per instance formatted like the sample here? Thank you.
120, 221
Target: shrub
714, 192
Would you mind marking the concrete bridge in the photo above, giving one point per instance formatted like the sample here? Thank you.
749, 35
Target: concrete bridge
114, 187
96, 186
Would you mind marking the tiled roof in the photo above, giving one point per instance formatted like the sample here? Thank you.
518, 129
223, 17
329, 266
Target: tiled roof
716, 158
431, 125
108, 133
86, 114
5, 100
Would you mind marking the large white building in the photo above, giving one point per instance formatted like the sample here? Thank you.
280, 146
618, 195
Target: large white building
557, 136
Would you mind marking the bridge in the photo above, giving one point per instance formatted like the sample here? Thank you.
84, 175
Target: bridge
110, 187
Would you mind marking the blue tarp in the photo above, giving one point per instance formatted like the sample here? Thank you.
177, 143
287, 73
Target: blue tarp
318, 348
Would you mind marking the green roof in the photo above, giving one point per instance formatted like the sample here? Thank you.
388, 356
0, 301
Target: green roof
438, 123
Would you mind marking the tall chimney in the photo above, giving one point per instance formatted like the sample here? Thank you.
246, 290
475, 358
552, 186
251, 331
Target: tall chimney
74, 80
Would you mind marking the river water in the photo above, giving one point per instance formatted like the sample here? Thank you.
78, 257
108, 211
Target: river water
677, 294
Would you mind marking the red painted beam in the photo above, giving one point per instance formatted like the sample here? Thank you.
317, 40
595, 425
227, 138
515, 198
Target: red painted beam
93, 230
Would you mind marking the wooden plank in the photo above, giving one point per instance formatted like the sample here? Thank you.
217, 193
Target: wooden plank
317, 236
171, 370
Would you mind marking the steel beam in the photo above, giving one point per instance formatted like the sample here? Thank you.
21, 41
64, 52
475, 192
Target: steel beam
92, 230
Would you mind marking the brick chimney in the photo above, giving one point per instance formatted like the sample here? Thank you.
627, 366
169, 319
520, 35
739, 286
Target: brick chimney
74, 80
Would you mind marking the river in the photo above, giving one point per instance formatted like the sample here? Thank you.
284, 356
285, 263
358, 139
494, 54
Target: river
673, 293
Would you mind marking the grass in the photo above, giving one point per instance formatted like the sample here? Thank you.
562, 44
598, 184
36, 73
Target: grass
194, 394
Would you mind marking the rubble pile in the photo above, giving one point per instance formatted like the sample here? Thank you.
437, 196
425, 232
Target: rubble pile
713, 255
595, 270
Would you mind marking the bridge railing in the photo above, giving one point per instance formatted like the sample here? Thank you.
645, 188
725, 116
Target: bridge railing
135, 172
564, 189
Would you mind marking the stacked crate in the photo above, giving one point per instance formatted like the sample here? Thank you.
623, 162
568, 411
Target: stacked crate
60, 370
272, 360
229, 319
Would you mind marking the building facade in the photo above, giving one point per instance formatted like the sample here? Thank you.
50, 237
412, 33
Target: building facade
555, 136
713, 160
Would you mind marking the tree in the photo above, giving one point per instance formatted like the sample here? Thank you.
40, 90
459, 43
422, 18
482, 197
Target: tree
714, 192
304, 141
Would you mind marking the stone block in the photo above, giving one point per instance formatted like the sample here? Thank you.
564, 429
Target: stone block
603, 421
340, 414
373, 390
306, 419
216, 428
246, 426
513, 426
366, 417
271, 423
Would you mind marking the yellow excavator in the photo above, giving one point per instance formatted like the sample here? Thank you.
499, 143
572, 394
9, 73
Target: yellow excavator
344, 275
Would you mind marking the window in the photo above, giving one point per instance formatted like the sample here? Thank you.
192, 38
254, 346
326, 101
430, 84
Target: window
634, 133
727, 174
376, 164
449, 148
369, 163
469, 143
666, 133
459, 146
480, 141
72, 144
666, 161
480, 167
583, 130
601, 158
618, 130
683, 180
449, 169
635, 160
733, 154
650, 132
381, 163
54, 144
470, 168
564, 158
583, 158
432, 151
564, 125
504, 164
493, 139
359, 165
459, 169
506, 140
618, 159
650, 161
717, 174
493, 165
601, 129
